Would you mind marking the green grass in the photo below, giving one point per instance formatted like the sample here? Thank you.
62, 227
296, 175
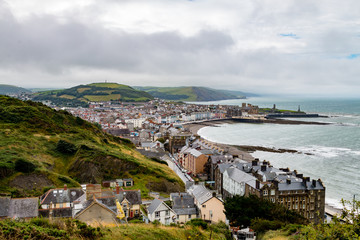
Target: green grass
41, 228
153, 232
98, 92
110, 85
188, 93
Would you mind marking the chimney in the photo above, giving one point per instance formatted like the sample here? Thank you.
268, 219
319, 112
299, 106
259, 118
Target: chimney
51, 211
117, 188
257, 184
263, 168
276, 183
288, 181
254, 162
265, 162
314, 182
65, 187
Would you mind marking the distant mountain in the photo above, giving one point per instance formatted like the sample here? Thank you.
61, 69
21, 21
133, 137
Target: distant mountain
41, 148
95, 92
12, 90
192, 93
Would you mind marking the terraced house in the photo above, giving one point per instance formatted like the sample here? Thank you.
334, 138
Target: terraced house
292, 190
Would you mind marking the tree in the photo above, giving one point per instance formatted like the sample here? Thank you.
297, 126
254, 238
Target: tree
241, 210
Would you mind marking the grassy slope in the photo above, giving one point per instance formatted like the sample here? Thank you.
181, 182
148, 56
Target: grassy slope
9, 89
188, 93
93, 92
31, 131
40, 228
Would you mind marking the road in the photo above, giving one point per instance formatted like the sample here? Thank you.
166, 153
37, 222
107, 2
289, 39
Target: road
172, 163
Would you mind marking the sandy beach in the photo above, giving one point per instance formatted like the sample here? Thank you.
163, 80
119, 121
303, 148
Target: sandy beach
233, 150
244, 151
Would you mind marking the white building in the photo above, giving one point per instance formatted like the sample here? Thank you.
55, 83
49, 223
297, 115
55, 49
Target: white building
160, 211
137, 122
235, 181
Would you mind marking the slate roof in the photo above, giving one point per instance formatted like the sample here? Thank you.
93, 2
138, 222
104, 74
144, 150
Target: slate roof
23, 207
110, 202
240, 176
61, 195
206, 151
133, 196
299, 185
200, 193
57, 212
183, 204
118, 131
185, 211
223, 166
4, 206
91, 202
218, 159
195, 153
154, 205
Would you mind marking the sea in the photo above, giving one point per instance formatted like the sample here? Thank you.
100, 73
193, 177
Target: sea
329, 152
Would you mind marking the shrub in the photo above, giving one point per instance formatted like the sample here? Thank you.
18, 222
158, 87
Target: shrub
24, 166
65, 147
159, 161
197, 222
262, 225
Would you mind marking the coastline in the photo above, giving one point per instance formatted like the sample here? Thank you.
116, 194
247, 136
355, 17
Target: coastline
233, 150
245, 150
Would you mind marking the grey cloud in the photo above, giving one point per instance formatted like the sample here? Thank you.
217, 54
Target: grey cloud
46, 43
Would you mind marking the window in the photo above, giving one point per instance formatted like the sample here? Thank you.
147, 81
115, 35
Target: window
60, 205
272, 199
265, 192
136, 211
272, 192
204, 206
157, 214
189, 216
167, 213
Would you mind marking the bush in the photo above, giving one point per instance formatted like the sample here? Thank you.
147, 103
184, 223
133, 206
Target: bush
197, 222
66, 147
159, 161
262, 225
24, 166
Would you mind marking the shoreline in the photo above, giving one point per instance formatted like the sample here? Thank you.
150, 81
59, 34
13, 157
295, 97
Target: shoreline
246, 150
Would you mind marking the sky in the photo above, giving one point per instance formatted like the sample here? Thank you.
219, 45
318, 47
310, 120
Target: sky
286, 47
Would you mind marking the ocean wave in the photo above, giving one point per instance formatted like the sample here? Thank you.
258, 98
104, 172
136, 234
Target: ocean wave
327, 152
335, 203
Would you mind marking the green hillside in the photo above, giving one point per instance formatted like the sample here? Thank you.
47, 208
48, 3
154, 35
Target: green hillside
95, 92
41, 147
9, 90
191, 93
